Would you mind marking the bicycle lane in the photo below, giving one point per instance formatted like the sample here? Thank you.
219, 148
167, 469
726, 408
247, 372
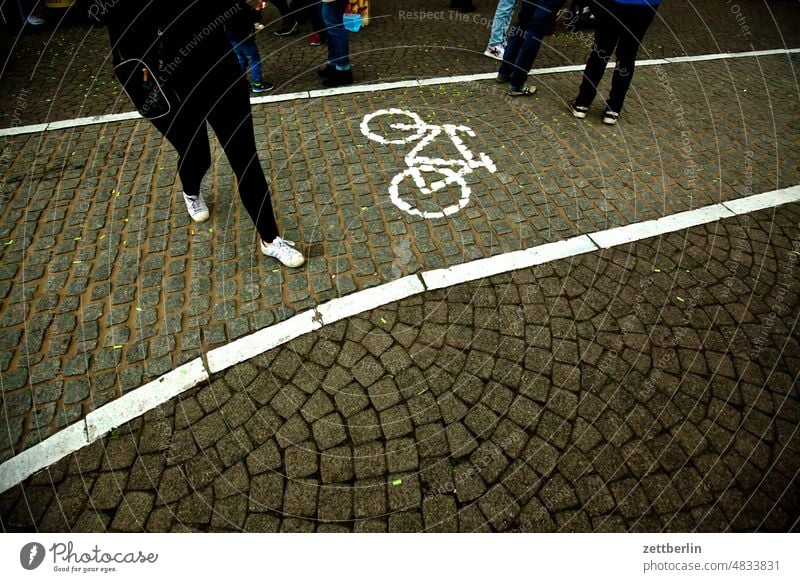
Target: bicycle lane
109, 285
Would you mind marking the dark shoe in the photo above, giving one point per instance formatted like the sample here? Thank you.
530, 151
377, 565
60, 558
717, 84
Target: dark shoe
339, 78
261, 87
327, 71
578, 111
501, 78
526, 91
287, 29
610, 117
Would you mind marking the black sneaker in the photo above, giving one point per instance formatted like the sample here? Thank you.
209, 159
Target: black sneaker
339, 78
327, 71
610, 117
287, 29
578, 111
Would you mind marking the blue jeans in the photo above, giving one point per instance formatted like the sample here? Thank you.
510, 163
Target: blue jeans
338, 45
501, 21
247, 52
525, 39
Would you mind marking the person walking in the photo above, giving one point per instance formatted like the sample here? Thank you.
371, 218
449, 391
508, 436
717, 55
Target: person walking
525, 40
500, 24
200, 82
337, 71
620, 27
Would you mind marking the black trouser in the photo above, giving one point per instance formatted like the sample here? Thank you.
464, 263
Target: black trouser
619, 27
283, 8
309, 11
230, 117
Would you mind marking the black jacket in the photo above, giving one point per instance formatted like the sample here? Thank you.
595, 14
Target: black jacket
184, 41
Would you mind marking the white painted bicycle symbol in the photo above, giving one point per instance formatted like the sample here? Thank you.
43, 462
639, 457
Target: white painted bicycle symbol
453, 170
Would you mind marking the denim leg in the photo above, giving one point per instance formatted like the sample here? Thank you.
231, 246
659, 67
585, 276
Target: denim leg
238, 52
338, 45
515, 39
543, 13
250, 50
501, 21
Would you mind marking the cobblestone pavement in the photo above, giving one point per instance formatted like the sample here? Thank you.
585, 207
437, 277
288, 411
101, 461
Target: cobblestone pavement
63, 74
106, 283
651, 387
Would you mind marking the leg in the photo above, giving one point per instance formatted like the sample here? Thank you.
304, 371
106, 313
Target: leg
605, 40
186, 131
635, 22
250, 50
232, 122
544, 11
501, 21
283, 8
515, 39
240, 56
288, 19
338, 44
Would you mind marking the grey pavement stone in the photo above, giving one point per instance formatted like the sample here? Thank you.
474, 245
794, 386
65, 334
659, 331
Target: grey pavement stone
133, 512
335, 503
300, 499
336, 465
301, 460
266, 492
329, 431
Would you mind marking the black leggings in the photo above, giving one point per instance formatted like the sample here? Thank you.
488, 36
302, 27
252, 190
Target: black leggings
230, 117
619, 28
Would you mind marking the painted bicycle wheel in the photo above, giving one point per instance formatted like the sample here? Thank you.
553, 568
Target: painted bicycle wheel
421, 179
393, 126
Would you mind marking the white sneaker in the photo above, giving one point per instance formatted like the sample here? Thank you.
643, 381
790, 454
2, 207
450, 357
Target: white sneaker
284, 251
35, 20
495, 51
197, 208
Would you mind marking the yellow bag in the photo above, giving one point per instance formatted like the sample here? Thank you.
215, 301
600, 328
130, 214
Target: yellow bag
359, 7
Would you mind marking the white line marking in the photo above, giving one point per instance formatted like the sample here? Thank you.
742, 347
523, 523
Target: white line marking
261, 341
40, 456
646, 63
376, 87
23, 129
763, 201
94, 120
368, 299
719, 56
153, 394
456, 79
641, 230
278, 98
482, 268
